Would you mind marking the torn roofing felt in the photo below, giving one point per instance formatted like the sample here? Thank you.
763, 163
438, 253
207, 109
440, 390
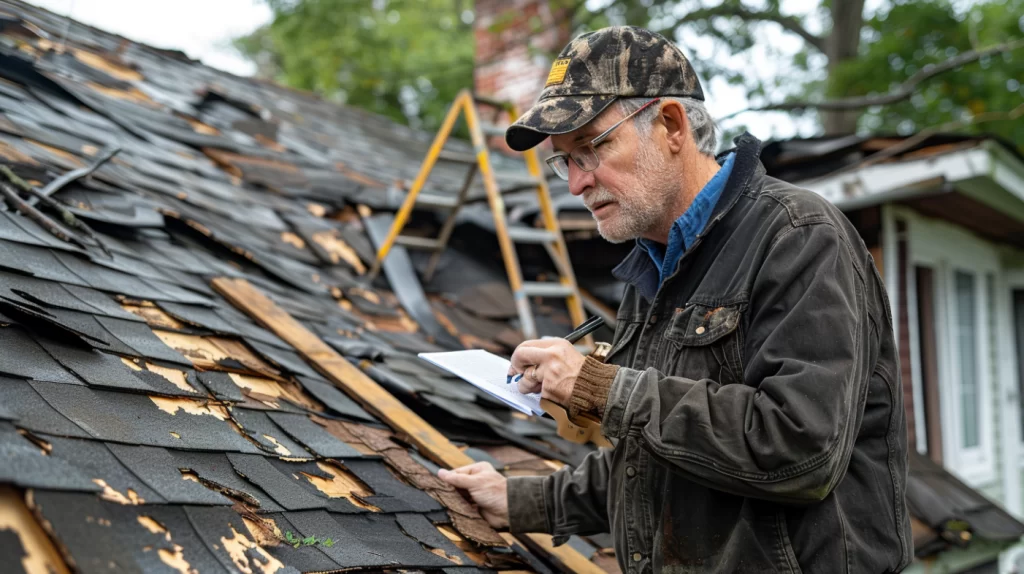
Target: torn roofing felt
147, 423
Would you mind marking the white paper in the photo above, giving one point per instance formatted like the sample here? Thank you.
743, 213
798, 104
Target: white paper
488, 372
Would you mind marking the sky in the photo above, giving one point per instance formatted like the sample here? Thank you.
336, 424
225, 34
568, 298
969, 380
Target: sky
202, 29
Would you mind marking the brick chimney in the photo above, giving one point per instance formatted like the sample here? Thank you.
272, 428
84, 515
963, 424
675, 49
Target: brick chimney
516, 41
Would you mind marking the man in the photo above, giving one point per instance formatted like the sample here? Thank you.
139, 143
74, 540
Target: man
753, 392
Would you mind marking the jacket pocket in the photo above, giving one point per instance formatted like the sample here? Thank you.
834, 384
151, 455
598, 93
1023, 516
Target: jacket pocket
704, 342
788, 561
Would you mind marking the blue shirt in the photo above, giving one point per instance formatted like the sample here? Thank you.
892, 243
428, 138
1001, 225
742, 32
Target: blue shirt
685, 229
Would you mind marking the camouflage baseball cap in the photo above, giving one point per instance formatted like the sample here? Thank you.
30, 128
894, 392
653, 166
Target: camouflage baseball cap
595, 69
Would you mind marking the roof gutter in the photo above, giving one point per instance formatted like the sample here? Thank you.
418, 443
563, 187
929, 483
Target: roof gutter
902, 180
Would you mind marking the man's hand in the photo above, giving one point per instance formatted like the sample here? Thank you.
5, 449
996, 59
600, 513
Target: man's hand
487, 488
549, 366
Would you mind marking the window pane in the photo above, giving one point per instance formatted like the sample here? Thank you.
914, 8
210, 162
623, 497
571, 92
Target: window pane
966, 333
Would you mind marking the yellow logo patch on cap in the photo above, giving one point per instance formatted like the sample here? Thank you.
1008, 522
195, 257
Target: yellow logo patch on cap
557, 74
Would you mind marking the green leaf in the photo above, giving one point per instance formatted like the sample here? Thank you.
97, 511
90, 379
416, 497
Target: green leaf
309, 540
328, 543
358, 54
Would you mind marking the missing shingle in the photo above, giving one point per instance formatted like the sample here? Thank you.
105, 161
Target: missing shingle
190, 406
337, 250
217, 353
292, 239
154, 316
177, 378
153, 526
278, 447
239, 548
130, 497
262, 388
442, 554
263, 530
173, 557
341, 484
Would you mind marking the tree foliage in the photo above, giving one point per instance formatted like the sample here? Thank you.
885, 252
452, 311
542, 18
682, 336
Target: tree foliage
405, 59
913, 35
408, 58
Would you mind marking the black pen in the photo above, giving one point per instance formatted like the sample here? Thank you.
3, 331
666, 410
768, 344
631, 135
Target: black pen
589, 326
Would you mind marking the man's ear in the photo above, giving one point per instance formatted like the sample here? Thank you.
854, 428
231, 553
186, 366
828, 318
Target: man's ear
677, 125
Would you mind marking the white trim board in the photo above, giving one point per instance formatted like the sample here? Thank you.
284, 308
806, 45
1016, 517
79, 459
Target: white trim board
947, 248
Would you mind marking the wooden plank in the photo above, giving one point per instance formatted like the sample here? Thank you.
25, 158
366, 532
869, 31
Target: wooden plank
374, 398
342, 373
41, 556
564, 556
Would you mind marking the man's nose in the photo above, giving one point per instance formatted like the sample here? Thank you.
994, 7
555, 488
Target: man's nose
579, 180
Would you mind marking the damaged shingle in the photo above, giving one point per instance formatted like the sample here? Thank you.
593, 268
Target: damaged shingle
105, 371
141, 339
391, 495
214, 471
258, 426
302, 429
281, 487
27, 465
146, 420
228, 539
337, 401
158, 468
367, 540
22, 357
221, 385
97, 463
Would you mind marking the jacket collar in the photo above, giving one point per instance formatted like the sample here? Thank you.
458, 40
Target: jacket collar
637, 268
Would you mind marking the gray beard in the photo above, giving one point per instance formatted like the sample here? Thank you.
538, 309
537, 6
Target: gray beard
640, 213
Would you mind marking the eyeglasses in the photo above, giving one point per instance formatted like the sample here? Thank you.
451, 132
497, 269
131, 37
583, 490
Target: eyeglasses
585, 154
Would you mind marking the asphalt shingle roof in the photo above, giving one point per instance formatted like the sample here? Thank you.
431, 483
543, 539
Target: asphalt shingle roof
145, 421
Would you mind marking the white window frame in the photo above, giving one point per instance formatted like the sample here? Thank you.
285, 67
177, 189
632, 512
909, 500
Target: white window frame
1013, 448
978, 460
947, 248
1014, 282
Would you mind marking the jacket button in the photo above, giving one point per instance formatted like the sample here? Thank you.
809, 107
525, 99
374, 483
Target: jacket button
700, 330
654, 319
637, 557
630, 471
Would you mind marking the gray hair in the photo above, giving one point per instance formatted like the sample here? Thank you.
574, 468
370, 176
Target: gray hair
702, 125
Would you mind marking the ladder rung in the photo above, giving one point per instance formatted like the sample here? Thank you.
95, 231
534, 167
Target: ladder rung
546, 289
521, 234
437, 200
492, 130
418, 242
456, 157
